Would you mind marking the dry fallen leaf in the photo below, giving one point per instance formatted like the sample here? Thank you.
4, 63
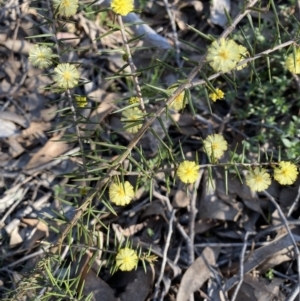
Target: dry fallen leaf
51, 150
39, 231
15, 238
8, 128
197, 274
15, 148
213, 207
181, 199
99, 289
253, 289
140, 287
217, 12
18, 46
203, 225
14, 117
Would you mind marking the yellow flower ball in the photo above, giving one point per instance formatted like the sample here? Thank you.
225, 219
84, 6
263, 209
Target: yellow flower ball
219, 94
215, 145
81, 101
223, 55
179, 102
40, 56
286, 173
188, 172
132, 119
127, 259
66, 7
121, 193
133, 100
243, 54
122, 7
258, 179
66, 76
292, 62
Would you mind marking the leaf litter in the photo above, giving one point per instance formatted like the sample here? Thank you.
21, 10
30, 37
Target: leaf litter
33, 160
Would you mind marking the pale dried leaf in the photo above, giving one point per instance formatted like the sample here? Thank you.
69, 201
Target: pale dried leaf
236, 188
11, 68
36, 80
203, 225
91, 28
19, 46
49, 113
36, 223
217, 14
97, 116
198, 6
197, 274
181, 19
259, 289
51, 150
11, 196
15, 238
39, 231
100, 290
8, 128
133, 229
213, 207
181, 199
5, 87
15, 148
155, 208
276, 259
288, 195
36, 129
140, 287
16, 118
186, 123
150, 36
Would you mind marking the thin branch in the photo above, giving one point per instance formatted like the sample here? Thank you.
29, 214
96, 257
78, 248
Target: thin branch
292, 296
192, 218
131, 64
296, 201
78, 136
165, 256
175, 36
242, 260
